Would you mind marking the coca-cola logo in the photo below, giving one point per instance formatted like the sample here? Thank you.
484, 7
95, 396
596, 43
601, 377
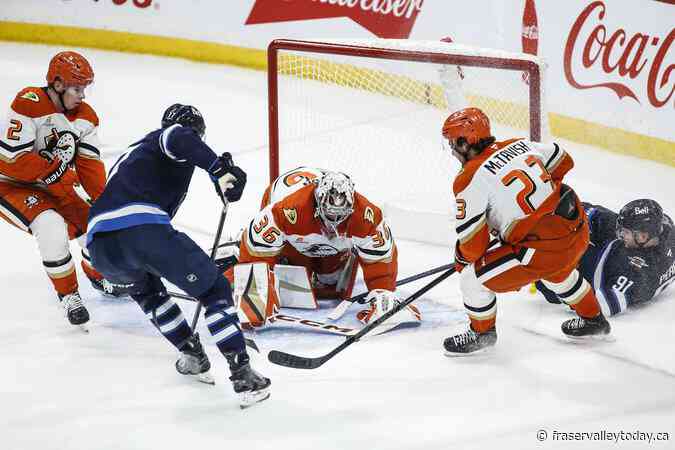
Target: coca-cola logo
384, 18
620, 55
136, 3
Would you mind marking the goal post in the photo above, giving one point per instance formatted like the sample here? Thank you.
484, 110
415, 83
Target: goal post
374, 109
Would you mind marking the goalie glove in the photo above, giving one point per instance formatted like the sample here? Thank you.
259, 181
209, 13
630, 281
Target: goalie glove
228, 179
381, 302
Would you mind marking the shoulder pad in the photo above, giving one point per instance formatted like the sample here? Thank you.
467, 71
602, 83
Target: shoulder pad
32, 102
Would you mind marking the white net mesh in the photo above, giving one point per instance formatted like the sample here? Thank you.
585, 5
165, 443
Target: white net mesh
379, 120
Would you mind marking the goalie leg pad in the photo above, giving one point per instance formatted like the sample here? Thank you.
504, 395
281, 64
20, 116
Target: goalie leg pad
255, 293
294, 287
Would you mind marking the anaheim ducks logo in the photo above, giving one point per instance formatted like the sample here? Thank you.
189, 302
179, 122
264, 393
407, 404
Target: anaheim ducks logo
369, 215
291, 215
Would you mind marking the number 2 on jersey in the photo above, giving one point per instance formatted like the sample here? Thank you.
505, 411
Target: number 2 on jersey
529, 186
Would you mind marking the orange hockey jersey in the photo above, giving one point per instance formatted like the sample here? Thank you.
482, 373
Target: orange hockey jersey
507, 189
292, 221
27, 130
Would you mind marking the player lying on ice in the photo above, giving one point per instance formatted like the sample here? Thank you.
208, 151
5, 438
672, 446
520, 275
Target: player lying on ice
312, 233
631, 257
132, 242
515, 188
50, 169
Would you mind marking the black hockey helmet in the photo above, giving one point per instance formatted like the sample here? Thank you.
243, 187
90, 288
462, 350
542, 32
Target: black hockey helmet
641, 215
185, 115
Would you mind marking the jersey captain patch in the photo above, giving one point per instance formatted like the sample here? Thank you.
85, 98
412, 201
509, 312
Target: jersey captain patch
369, 215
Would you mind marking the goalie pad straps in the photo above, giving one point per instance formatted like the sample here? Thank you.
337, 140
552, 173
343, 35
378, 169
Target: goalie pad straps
294, 288
255, 294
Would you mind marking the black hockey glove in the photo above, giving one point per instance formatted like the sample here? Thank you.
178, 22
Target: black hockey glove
228, 179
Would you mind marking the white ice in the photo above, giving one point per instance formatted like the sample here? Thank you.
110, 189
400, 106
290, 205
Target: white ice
116, 387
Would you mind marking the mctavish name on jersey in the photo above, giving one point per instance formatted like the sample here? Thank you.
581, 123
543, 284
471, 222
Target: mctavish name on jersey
501, 158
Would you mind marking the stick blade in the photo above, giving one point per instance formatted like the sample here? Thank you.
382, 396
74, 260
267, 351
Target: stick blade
293, 361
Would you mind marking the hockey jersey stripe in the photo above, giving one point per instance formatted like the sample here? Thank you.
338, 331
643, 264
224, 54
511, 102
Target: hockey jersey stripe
469, 222
125, 217
164, 143
14, 149
481, 309
90, 149
609, 303
11, 213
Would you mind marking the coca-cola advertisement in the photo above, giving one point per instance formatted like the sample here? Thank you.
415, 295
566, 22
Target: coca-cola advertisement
383, 18
604, 50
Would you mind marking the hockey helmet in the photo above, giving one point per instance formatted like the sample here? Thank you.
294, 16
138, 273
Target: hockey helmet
642, 215
71, 68
334, 195
468, 123
185, 115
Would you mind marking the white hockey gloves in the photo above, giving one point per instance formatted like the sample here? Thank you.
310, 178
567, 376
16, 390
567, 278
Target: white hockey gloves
382, 301
228, 179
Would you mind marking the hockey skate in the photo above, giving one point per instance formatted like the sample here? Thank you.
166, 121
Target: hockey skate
250, 386
75, 310
581, 328
469, 342
194, 362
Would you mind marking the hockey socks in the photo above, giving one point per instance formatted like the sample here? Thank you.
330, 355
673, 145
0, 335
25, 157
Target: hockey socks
224, 326
167, 317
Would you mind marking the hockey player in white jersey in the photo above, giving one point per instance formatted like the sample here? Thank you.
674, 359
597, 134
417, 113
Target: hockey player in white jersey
515, 189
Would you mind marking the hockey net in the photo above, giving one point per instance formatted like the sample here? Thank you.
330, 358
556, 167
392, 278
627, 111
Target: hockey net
374, 110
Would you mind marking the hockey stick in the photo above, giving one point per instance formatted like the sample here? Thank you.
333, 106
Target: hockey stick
342, 307
214, 249
300, 362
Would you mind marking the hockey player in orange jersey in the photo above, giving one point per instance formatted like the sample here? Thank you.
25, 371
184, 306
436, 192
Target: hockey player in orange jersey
316, 220
50, 170
514, 188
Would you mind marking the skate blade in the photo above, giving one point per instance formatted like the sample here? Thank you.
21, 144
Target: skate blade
83, 327
482, 351
591, 338
248, 399
205, 378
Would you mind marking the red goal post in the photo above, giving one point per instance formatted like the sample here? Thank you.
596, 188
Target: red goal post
334, 104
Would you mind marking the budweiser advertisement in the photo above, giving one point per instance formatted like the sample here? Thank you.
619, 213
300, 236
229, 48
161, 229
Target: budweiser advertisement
384, 18
608, 51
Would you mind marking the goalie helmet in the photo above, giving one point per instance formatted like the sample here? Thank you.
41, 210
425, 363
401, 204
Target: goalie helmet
334, 195
185, 115
468, 123
640, 216
71, 68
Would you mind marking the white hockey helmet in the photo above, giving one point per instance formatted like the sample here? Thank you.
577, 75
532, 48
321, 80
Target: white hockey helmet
334, 196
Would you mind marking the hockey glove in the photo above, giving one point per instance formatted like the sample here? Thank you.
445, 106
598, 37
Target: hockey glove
63, 184
460, 262
381, 302
228, 179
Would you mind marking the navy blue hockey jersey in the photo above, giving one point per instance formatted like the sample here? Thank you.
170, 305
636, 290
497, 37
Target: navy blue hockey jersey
621, 276
148, 183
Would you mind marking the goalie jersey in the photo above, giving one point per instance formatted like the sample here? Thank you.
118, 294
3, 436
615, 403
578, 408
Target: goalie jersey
623, 277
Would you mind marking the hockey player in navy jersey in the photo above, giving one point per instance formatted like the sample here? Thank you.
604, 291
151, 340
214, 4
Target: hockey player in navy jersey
631, 256
132, 242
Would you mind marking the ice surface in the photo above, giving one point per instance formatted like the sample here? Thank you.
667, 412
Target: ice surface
116, 387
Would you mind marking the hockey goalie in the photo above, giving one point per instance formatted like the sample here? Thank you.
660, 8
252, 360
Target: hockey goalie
307, 242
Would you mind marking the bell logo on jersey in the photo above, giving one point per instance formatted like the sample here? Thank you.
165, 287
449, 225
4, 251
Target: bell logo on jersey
291, 215
32, 96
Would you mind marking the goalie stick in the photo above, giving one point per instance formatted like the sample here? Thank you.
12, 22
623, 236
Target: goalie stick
301, 362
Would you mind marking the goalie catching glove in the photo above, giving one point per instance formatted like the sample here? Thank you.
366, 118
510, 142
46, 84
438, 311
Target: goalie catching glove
228, 179
381, 302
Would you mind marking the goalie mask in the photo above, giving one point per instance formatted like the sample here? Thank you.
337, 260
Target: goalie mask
640, 223
334, 197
